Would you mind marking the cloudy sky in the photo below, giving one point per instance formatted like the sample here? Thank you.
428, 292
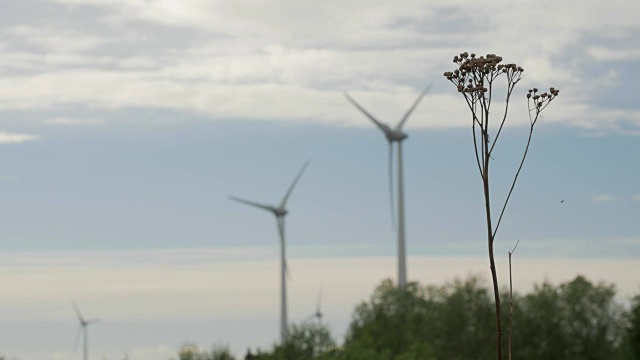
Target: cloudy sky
125, 124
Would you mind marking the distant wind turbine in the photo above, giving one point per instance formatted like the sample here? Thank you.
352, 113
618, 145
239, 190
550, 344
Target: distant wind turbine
318, 313
280, 211
395, 135
82, 331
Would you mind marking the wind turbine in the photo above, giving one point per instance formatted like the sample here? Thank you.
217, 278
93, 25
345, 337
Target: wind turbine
395, 135
83, 329
280, 212
318, 313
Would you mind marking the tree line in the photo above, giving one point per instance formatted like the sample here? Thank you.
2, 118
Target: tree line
574, 320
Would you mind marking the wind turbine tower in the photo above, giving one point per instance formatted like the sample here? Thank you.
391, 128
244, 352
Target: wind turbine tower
318, 313
395, 135
82, 331
280, 212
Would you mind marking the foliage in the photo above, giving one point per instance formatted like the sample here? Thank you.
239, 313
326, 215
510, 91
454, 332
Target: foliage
574, 320
423, 323
306, 341
387, 323
631, 341
633, 331
190, 351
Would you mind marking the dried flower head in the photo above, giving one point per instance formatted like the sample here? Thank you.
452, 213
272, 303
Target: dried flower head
474, 72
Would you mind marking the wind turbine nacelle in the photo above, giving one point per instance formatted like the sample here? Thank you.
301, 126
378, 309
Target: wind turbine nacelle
396, 135
280, 212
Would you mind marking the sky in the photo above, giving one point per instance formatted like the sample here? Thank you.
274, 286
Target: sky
126, 124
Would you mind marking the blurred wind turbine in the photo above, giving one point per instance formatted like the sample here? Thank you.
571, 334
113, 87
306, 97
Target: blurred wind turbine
395, 135
279, 213
318, 314
83, 329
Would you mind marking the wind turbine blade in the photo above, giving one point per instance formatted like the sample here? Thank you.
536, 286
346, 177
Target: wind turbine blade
77, 310
251, 203
406, 116
391, 198
380, 125
77, 342
295, 181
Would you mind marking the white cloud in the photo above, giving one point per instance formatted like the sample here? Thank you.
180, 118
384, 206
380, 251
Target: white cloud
270, 61
602, 198
57, 40
67, 121
16, 138
252, 101
636, 197
615, 54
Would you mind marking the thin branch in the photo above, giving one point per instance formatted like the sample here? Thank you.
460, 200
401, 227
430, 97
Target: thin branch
530, 110
475, 146
515, 178
504, 118
510, 88
473, 128
514, 248
490, 81
511, 299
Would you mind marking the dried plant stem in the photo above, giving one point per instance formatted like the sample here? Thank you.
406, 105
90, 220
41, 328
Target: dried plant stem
490, 238
511, 299
474, 79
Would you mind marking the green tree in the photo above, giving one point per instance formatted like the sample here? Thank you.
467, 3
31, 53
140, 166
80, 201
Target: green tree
461, 312
388, 324
632, 335
576, 320
308, 340
190, 351
447, 322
